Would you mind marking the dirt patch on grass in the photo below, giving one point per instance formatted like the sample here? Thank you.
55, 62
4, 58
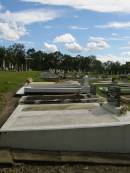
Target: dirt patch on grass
64, 168
7, 104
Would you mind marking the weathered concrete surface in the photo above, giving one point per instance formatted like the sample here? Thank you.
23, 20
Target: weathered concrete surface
58, 116
83, 157
53, 87
100, 139
35, 156
13, 156
56, 89
5, 156
58, 99
66, 127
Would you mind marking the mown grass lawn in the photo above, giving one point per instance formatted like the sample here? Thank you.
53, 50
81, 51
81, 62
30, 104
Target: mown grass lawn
10, 80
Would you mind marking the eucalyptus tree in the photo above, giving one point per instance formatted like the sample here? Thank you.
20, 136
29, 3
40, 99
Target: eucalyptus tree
2, 57
17, 56
57, 58
30, 53
37, 60
66, 64
127, 67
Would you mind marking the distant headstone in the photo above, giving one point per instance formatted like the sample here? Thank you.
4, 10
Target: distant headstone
85, 80
93, 89
114, 81
125, 80
114, 96
47, 75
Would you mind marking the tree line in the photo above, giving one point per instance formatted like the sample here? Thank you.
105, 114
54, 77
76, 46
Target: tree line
16, 57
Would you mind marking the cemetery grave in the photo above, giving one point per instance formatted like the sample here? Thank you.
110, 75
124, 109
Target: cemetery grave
75, 125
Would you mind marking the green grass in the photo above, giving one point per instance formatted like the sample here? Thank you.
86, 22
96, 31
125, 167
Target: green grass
10, 81
100, 93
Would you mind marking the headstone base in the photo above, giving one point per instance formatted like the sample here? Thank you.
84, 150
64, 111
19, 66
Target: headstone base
113, 109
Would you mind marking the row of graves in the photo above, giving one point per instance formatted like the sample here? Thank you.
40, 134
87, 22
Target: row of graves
58, 92
51, 76
67, 116
123, 84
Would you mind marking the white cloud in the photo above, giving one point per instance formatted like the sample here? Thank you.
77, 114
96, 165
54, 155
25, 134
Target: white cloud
108, 58
94, 5
48, 27
122, 58
115, 25
13, 25
127, 47
11, 31
129, 44
26, 43
96, 43
33, 16
76, 16
113, 58
126, 54
50, 47
73, 47
78, 27
1, 6
65, 38
116, 36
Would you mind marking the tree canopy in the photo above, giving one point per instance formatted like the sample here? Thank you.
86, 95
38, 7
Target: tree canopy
16, 57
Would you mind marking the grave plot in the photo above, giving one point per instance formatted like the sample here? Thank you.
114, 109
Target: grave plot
62, 87
67, 122
53, 88
69, 126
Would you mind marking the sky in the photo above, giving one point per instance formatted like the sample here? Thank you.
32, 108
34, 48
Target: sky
85, 27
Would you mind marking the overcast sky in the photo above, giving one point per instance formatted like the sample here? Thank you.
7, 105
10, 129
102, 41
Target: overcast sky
86, 27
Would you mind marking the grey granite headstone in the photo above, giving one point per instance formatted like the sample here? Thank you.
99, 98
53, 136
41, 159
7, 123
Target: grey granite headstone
114, 96
93, 89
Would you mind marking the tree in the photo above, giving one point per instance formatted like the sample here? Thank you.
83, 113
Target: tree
15, 57
17, 53
2, 57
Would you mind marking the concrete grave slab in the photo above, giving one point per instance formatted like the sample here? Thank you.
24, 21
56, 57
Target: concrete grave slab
66, 127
